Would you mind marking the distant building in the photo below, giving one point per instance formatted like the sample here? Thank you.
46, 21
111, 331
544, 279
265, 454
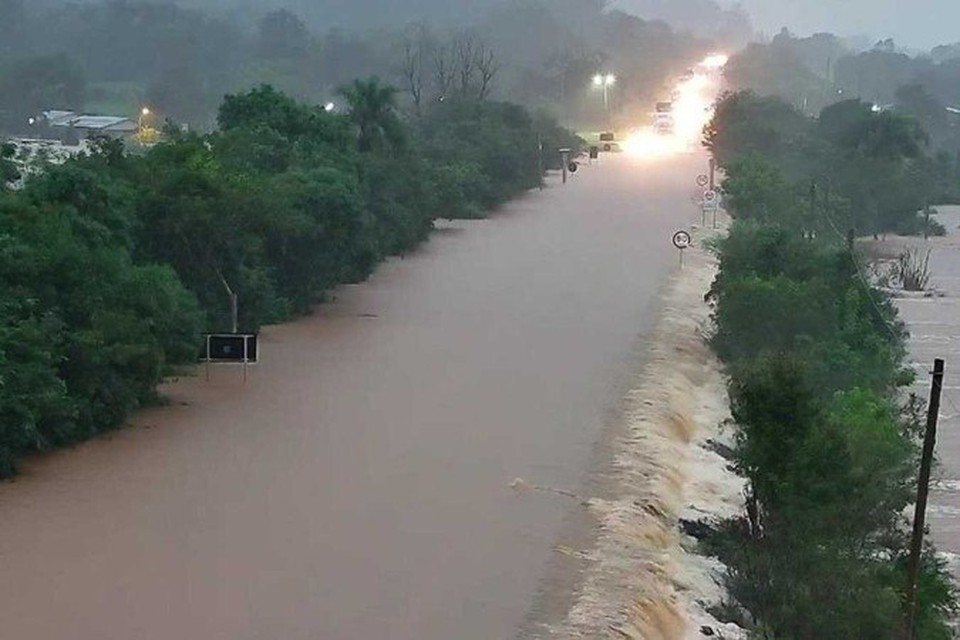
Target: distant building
72, 127
89, 126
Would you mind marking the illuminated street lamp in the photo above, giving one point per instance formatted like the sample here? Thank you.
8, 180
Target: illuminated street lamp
605, 81
145, 133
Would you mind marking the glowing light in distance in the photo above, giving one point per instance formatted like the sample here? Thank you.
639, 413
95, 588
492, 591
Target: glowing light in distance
691, 110
600, 80
716, 61
650, 145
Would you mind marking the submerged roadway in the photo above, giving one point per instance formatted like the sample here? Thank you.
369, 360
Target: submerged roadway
358, 486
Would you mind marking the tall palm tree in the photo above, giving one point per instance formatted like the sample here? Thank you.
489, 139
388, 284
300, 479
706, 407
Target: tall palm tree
373, 112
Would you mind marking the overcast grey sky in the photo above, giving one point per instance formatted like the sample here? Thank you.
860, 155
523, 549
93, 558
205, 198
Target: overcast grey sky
914, 23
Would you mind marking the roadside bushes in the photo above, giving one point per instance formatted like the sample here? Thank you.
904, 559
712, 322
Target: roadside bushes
826, 441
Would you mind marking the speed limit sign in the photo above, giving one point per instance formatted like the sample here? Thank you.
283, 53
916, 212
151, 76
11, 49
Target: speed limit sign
681, 240
710, 196
703, 180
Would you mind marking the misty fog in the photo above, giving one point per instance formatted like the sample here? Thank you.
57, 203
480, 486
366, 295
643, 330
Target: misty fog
921, 24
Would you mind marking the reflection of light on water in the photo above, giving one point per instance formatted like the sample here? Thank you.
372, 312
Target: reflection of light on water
692, 110
647, 143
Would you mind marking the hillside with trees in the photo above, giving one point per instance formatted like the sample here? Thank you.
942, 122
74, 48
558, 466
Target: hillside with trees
114, 57
851, 168
815, 72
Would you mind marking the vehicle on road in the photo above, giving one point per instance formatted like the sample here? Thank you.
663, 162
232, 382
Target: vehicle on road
608, 142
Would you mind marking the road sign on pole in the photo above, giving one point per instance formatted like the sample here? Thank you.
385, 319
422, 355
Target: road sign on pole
230, 348
565, 162
681, 240
703, 180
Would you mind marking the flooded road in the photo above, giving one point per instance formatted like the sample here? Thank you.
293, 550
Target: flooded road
358, 486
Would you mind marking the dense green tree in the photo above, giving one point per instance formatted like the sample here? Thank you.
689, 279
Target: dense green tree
85, 334
372, 110
746, 123
853, 167
8, 169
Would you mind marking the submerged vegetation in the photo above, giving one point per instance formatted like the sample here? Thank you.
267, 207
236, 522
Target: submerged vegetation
112, 264
826, 436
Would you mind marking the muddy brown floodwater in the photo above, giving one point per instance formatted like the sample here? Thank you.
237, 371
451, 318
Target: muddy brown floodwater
934, 325
358, 486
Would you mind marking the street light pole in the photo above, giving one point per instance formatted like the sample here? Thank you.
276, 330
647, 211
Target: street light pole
604, 81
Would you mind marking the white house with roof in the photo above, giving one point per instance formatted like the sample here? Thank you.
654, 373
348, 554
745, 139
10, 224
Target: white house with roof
87, 126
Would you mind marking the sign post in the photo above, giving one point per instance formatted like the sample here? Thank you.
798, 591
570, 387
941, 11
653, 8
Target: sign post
565, 161
681, 240
231, 348
711, 202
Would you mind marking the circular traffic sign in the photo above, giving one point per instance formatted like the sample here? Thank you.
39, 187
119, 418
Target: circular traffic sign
681, 240
710, 196
573, 167
703, 180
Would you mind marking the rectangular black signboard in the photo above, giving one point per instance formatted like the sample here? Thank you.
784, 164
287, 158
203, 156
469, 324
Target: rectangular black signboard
231, 347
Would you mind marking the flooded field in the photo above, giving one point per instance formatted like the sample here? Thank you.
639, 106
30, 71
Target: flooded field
358, 485
934, 324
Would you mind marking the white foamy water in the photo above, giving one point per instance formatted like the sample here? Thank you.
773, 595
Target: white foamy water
645, 580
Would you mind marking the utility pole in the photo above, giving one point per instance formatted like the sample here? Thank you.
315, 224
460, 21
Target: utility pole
540, 161
713, 173
923, 490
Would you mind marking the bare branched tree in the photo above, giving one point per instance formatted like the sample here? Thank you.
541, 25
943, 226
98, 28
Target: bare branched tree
475, 65
487, 68
464, 54
444, 71
412, 64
